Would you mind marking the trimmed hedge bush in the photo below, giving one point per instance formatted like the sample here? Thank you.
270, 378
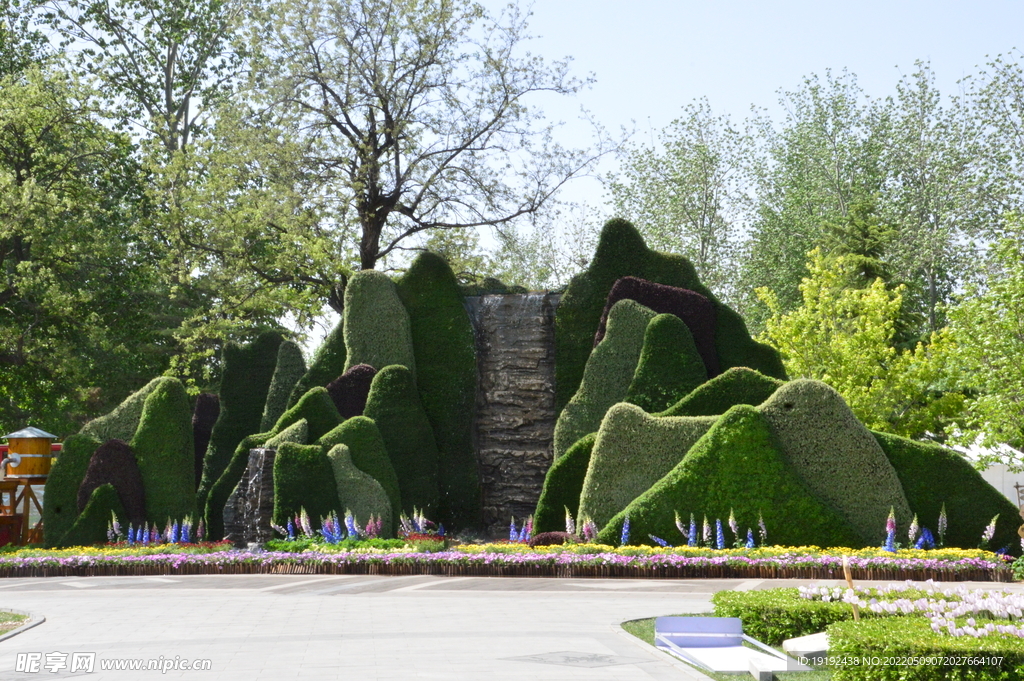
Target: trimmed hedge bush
358, 492
394, 405
837, 457
122, 423
621, 252
61, 491
562, 486
163, 449
693, 309
304, 478
607, 377
290, 368
317, 408
328, 363
738, 385
91, 525
907, 638
489, 286
114, 463
349, 391
669, 367
366, 447
774, 615
244, 385
445, 348
932, 476
633, 451
204, 415
221, 491
735, 467
377, 328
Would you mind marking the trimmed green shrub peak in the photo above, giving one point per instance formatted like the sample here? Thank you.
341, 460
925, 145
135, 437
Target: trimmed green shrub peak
61, 491
304, 479
836, 456
622, 252
163, 449
122, 422
445, 348
669, 368
377, 329
358, 492
244, 385
736, 467
738, 385
608, 374
633, 451
366, 447
328, 363
933, 476
562, 486
394, 405
318, 410
91, 526
291, 366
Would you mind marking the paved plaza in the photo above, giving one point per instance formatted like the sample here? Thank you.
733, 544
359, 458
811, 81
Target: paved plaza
356, 628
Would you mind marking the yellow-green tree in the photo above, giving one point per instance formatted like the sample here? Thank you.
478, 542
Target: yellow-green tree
844, 335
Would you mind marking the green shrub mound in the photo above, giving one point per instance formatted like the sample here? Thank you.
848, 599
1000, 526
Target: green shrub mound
608, 374
670, 367
304, 479
621, 252
359, 492
213, 513
445, 348
898, 642
318, 410
735, 467
123, 421
838, 458
204, 416
114, 463
290, 368
366, 447
244, 385
328, 363
774, 615
163, 449
932, 476
61, 491
394, 405
377, 328
738, 385
91, 525
633, 451
562, 486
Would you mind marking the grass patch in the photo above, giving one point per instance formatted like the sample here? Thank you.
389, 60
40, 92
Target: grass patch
9, 621
644, 630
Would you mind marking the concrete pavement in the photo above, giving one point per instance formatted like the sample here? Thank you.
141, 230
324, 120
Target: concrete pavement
356, 628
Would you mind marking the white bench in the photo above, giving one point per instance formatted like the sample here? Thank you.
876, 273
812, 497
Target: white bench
716, 644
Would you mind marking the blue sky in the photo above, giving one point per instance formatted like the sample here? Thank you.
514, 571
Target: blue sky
651, 57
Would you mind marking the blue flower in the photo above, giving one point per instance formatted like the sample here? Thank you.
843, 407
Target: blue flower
692, 539
659, 541
624, 538
719, 535
925, 540
750, 538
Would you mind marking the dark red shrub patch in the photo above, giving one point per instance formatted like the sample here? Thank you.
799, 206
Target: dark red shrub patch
349, 390
695, 310
552, 539
114, 462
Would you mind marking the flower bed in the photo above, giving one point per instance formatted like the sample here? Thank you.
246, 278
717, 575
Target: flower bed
516, 561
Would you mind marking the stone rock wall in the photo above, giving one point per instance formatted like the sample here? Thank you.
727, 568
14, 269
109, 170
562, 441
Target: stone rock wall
515, 420
250, 507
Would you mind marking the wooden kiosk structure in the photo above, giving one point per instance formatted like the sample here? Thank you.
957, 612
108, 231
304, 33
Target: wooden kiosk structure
25, 465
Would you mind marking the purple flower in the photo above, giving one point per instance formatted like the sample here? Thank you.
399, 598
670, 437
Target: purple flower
570, 524
989, 532
762, 530
942, 526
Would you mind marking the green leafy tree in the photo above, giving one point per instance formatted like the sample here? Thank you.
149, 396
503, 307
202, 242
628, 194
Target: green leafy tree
82, 311
684, 195
411, 109
987, 326
844, 336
